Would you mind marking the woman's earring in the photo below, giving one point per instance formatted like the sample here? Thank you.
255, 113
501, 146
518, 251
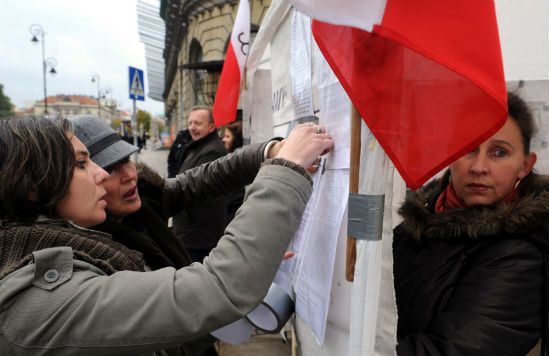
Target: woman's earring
517, 183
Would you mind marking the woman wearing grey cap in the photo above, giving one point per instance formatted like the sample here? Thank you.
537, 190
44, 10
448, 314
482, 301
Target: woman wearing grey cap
138, 206
67, 290
135, 221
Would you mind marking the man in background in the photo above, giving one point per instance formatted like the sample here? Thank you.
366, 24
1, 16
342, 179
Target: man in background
200, 227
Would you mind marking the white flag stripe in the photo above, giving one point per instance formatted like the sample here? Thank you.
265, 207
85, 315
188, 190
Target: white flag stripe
240, 37
363, 14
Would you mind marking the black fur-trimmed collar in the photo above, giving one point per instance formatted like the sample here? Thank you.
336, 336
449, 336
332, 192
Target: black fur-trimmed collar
528, 213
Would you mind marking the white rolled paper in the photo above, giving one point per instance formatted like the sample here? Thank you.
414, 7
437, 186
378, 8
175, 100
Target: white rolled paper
270, 316
273, 312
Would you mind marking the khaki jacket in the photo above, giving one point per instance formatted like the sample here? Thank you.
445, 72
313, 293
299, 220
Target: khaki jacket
62, 306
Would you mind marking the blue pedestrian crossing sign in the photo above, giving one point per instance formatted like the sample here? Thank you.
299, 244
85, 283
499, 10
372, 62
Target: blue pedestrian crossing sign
137, 89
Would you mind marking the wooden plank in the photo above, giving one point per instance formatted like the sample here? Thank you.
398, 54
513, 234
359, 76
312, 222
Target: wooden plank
353, 188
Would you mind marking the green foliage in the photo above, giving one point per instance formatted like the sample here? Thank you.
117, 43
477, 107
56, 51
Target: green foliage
116, 124
6, 107
144, 120
160, 126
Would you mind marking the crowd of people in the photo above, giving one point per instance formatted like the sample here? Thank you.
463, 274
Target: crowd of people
90, 266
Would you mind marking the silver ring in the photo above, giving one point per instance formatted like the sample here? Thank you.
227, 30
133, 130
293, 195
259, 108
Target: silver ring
318, 130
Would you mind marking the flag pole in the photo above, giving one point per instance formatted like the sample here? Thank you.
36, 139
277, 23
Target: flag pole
353, 187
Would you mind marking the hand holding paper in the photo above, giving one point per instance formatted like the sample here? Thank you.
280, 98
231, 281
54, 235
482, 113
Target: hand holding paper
305, 143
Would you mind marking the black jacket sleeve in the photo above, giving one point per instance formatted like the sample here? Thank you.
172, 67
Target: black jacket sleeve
212, 179
175, 154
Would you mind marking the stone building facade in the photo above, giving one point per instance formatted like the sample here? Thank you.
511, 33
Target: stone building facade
197, 35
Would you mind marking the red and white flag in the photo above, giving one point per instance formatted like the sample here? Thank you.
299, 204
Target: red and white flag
228, 89
426, 75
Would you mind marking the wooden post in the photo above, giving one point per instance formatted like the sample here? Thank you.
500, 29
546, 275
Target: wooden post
353, 188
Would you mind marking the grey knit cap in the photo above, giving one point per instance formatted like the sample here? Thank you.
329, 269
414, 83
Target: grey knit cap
105, 146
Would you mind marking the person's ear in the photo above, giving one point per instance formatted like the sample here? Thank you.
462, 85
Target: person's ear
211, 128
528, 165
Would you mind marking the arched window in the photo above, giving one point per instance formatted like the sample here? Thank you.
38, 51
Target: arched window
197, 76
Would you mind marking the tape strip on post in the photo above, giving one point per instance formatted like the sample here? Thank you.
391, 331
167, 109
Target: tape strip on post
365, 216
274, 312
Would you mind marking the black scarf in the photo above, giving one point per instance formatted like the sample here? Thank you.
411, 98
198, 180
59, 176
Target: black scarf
145, 231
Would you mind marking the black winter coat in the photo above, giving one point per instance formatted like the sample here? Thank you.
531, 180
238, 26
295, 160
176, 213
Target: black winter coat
201, 226
146, 231
472, 281
177, 152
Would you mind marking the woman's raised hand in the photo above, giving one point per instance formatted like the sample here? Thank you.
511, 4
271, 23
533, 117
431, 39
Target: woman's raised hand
305, 143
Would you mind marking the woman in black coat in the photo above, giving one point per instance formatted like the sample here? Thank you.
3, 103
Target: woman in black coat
470, 257
139, 201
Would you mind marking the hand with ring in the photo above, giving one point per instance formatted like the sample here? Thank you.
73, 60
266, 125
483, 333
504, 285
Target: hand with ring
305, 144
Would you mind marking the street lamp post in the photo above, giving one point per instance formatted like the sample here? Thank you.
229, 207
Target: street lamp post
95, 78
110, 104
37, 30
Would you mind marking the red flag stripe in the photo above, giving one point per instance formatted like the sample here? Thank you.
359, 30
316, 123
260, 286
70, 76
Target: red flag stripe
428, 93
460, 35
228, 91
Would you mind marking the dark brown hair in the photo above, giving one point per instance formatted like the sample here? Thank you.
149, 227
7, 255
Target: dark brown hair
236, 130
36, 156
521, 114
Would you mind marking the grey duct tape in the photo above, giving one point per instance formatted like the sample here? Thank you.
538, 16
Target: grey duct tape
274, 312
365, 217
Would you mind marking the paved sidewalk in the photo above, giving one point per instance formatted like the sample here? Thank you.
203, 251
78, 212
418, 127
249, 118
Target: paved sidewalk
157, 160
258, 345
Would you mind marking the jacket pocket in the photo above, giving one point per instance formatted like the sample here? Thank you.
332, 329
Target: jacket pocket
53, 267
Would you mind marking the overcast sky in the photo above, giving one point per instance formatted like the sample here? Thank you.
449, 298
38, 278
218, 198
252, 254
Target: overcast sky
83, 36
